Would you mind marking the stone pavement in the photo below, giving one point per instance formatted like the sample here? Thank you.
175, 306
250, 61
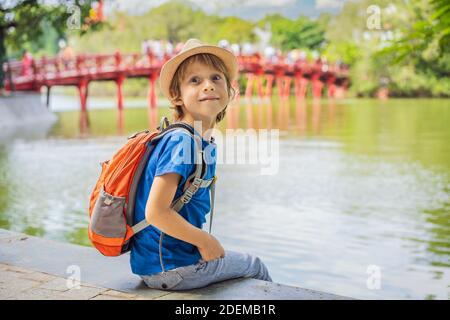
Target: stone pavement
18, 283
36, 268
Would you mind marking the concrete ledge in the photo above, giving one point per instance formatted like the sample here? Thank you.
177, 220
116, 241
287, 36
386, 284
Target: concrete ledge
23, 115
23, 107
54, 259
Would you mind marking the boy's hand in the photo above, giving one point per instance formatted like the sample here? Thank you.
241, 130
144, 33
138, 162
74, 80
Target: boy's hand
211, 249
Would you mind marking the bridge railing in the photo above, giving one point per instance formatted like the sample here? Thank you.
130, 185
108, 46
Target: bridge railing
84, 64
50, 67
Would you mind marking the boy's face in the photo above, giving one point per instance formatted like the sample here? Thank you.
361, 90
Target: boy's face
204, 92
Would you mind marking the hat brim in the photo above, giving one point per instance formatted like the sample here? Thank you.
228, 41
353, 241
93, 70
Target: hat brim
170, 67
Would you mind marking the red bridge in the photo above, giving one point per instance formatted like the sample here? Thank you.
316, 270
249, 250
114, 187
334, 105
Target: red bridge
80, 70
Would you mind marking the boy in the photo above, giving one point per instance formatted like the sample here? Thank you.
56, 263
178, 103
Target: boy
197, 82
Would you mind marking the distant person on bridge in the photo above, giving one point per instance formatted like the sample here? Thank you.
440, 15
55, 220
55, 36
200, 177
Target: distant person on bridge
197, 82
27, 62
67, 55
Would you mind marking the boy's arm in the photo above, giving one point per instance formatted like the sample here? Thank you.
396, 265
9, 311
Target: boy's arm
159, 213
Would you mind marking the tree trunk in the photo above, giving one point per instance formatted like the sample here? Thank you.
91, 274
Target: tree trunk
2, 56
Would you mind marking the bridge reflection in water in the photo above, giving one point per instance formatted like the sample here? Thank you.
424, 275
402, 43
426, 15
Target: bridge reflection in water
298, 116
257, 75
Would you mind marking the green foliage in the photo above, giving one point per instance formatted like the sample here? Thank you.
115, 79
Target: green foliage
348, 52
235, 30
441, 23
36, 26
178, 21
126, 33
183, 23
32, 22
425, 37
290, 34
409, 51
421, 54
28, 21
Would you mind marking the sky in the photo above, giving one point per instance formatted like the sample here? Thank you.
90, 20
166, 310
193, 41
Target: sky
246, 9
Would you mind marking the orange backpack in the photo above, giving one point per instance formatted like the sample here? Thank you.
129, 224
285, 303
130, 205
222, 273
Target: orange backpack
111, 207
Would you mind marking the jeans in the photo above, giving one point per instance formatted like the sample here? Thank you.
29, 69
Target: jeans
233, 265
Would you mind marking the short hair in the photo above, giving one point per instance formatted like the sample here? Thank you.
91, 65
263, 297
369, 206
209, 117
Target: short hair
209, 60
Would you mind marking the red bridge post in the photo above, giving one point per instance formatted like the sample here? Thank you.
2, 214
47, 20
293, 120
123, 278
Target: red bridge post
152, 98
283, 84
249, 87
259, 85
118, 59
83, 91
269, 85
331, 86
279, 82
119, 82
259, 79
152, 111
287, 86
301, 85
316, 85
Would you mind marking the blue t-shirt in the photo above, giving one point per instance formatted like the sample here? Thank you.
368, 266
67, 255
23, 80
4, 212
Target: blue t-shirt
165, 158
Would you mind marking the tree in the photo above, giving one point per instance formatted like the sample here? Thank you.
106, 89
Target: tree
429, 34
24, 22
293, 34
423, 48
178, 20
408, 51
235, 30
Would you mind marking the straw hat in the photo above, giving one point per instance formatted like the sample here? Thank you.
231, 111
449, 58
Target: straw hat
190, 48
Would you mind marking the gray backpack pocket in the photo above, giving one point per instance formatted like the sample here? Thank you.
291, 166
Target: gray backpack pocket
108, 219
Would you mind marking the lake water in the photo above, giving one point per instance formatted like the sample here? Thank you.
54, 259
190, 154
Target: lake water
359, 204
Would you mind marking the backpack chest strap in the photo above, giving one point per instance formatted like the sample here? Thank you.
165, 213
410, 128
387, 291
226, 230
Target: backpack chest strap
185, 198
191, 190
202, 183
